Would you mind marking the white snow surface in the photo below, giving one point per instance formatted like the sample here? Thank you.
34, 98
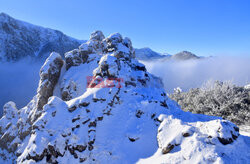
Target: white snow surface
247, 86
133, 123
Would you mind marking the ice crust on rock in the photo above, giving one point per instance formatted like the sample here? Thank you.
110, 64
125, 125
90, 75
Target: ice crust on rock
70, 122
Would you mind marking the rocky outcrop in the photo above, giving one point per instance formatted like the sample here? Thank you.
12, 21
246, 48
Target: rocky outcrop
80, 56
8, 123
49, 75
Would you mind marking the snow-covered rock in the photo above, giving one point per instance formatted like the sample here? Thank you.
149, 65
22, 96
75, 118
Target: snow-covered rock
247, 86
212, 141
106, 108
49, 76
19, 39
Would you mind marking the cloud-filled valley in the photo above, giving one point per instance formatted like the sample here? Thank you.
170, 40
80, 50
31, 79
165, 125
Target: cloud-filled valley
193, 73
18, 82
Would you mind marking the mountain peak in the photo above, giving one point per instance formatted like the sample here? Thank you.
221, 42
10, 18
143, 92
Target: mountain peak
184, 55
97, 35
100, 104
4, 16
148, 54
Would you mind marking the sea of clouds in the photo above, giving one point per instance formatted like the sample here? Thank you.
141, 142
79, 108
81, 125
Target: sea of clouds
193, 73
19, 80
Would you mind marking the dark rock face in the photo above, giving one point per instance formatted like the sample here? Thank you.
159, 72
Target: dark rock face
19, 40
80, 56
167, 149
49, 75
73, 58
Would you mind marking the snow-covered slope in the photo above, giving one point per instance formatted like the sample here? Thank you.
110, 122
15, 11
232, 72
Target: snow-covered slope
19, 39
100, 105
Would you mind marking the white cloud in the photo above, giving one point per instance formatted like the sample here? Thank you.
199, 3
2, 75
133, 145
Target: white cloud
18, 82
193, 73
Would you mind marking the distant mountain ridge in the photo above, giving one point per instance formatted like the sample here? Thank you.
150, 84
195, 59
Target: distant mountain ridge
147, 54
19, 39
184, 55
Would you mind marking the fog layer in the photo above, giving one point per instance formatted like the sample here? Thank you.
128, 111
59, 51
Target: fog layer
193, 73
18, 82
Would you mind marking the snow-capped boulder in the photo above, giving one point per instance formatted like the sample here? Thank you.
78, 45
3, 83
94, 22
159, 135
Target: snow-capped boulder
247, 86
97, 35
8, 126
211, 141
109, 109
10, 110
119, 47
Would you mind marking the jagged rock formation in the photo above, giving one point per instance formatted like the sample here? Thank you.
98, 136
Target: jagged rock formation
106, 108
20, 39
49, 76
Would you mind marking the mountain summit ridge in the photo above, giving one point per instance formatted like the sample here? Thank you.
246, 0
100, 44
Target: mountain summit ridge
185, 55
100, 104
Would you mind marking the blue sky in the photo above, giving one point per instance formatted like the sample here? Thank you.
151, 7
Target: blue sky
204, 27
